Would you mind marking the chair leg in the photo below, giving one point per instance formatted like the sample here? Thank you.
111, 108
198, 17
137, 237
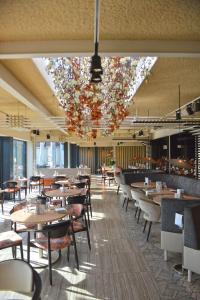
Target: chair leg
49, 261
165, 255
136, 211
88, 235
189, 275
75, 251
124, 202
139, 215
14, 252
68, 253
118, 190
2, 206
145, 224
28, 247
88, 216
21, 251
150, 223
127, 203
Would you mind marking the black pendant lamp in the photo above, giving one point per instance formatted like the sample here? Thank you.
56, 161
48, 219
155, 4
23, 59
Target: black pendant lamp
96, 68
178, 112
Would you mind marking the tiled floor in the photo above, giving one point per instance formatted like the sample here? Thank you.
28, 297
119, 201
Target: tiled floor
121, 264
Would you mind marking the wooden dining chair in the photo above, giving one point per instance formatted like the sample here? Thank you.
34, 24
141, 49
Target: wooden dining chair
10, 239
77, 214
34, 181
11, 188
54, 237
18, 227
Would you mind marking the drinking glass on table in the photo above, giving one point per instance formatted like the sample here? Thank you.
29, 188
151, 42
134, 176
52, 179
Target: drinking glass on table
164, 185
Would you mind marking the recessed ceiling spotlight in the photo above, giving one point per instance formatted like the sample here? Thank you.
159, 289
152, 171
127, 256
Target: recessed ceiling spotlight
189, 109
197, 105
178, 114
141, 133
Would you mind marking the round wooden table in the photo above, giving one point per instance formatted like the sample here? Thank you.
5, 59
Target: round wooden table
71, 182
23, 216
158, 198
65, 193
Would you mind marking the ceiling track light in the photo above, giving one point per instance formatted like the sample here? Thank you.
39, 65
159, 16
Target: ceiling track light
189, 109
178, 112
141, 133
96, 69
197, 105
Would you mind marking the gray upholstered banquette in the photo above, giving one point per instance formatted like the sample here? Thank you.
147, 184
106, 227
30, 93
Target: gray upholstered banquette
190, 185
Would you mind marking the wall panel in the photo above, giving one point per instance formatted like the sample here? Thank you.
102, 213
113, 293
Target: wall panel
125, 154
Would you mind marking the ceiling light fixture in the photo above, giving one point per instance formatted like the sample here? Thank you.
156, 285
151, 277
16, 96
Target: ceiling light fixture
178, 112
197, 105
96, 68
141, 133
189, 109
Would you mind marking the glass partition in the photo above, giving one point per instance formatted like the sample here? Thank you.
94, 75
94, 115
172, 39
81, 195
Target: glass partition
49, 155
19, 158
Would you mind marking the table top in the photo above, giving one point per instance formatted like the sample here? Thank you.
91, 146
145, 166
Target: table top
158, 198
66, 192
141, 185
71, 182
22, 216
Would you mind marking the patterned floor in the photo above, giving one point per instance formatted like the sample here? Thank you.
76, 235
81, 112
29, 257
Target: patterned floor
171, 285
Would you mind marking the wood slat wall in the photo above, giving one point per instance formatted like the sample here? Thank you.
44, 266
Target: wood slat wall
87, 157
103, 153
125, 154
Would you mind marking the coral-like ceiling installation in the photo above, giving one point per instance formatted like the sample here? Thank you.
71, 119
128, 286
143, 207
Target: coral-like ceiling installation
87, 104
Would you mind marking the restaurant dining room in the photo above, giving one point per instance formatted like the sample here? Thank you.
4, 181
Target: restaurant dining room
100, 149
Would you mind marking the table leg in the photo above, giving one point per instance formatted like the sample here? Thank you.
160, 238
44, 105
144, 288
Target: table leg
39, 227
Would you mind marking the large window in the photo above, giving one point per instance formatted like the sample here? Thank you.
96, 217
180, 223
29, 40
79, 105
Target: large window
19, 158
49, 155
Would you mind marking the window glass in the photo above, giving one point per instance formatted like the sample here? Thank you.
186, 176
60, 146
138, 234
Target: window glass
19, 158
49, 155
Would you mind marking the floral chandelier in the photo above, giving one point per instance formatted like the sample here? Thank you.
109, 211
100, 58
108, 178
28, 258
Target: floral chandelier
89, 106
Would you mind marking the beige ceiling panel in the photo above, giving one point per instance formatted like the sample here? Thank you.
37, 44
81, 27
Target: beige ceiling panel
27, 73
73, 20
159, 95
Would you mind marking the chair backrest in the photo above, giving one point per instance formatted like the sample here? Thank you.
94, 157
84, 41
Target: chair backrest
80, 185
35, 178
55, 186
76, 199
60, 177
126, 190
18, 206
10, 184
169, 207
57, 230
192, 227
110, 174
151, 209
18, 276
138, 195
117, 179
